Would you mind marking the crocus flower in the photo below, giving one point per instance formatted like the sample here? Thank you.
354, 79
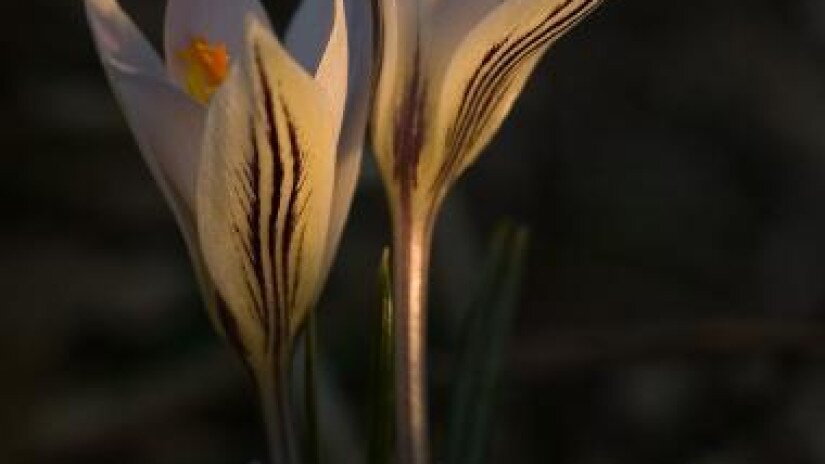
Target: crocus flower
450, 72
248, 141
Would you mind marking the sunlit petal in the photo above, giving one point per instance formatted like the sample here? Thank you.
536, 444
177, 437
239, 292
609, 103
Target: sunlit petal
333, 70
317, 39
240, 316
401, 59
264, 194
488, 71
351, 141
451, 21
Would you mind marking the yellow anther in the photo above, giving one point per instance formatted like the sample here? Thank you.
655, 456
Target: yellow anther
207, 65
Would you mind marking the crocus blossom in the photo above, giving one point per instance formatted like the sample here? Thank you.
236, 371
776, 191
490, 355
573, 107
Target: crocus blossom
450, 73
247, 139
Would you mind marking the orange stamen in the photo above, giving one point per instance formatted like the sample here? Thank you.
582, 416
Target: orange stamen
207, 66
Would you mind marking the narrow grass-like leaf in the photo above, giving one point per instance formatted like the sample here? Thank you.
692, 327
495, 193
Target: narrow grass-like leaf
382, 392
485, 332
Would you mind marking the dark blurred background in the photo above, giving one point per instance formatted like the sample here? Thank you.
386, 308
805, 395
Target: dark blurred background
669, 158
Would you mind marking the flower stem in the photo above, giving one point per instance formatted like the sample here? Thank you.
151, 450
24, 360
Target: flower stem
273, 388
411, 252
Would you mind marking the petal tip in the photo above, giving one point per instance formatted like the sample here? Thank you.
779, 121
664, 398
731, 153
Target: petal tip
261, 42
119, 42
101, 12
256, 30
102, 6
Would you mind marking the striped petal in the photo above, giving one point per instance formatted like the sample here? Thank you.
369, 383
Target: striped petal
488, 71
215, 21
264, 195
400, 88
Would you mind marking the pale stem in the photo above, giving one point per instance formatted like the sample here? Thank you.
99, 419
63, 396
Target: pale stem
273, 387
411, 252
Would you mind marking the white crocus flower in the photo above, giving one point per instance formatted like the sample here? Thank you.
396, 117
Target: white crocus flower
450, 72
248, 141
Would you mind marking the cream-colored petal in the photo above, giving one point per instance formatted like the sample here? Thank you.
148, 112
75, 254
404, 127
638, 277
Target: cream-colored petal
228, 143
401, 55
486, 74
119, 41
317, 39
451, 21
333, 70
216, 21
351, 141
264, 194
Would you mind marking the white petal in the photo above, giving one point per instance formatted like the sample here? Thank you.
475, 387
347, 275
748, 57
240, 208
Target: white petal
317, 39
452, 20
119, 41
401, 56
488, 71
168, 127
165, 122
228, 120
264, 193
217, 21
351, 142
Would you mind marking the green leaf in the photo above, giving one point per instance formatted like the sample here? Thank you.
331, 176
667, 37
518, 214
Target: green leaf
484, 335
382, 391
